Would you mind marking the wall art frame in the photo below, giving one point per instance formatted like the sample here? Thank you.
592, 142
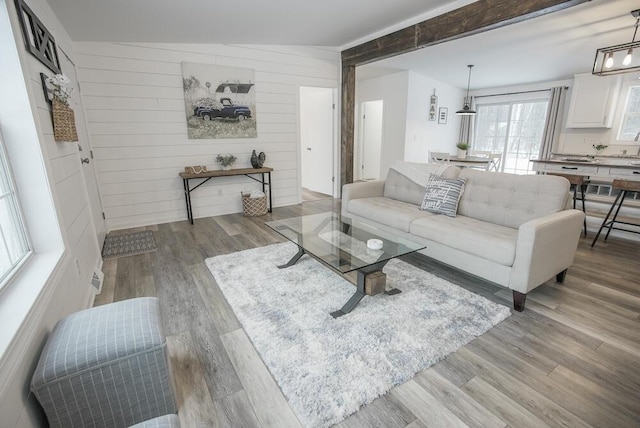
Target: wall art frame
220, 101
433, 105
38, 40
443, 113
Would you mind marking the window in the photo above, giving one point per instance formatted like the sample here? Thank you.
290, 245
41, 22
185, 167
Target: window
630, 125
513, 129
14, 246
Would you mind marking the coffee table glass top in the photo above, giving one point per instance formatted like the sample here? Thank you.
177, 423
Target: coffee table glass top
342, 243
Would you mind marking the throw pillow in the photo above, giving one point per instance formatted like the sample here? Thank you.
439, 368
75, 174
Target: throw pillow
442, 195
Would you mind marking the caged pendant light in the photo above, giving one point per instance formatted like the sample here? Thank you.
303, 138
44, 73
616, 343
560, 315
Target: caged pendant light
466, 109
620, 58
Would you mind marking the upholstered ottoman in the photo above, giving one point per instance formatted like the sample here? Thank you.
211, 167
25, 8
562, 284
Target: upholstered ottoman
166, 421
106, 367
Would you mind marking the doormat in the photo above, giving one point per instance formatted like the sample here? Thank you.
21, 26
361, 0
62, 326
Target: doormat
128, 244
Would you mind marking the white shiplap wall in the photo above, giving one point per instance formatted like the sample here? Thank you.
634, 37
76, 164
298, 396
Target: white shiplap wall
134, 105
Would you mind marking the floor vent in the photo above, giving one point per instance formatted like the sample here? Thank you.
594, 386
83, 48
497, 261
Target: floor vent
96, 280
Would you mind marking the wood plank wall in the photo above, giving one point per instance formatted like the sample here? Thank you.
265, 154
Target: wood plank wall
137, 122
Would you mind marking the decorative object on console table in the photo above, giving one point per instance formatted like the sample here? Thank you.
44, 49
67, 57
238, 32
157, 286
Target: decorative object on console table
64, 122
226, 161
197, 169
599, 148
443, 112
257, 161
462, 150
37, 38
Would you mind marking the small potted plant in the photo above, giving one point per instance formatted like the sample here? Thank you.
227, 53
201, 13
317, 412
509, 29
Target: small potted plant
599, 148
226, 161
462, 150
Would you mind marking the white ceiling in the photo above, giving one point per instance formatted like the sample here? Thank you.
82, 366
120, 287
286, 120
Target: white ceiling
277, 22
547, 48
551, 47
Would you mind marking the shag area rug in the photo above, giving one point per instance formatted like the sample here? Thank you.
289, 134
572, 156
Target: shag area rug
128, 244
328, 368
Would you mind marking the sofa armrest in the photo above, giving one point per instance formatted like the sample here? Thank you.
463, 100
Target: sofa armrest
546, 246
363, 189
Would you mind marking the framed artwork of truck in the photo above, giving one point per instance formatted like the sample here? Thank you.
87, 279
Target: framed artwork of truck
219, 101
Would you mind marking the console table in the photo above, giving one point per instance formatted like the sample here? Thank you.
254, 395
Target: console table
208, 175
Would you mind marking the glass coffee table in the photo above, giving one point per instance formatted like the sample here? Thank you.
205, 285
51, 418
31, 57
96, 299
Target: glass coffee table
341, 245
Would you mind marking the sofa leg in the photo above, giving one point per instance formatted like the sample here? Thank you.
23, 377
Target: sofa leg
518, 300
561, 276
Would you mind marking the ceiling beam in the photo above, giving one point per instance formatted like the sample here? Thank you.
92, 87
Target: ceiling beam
477, 17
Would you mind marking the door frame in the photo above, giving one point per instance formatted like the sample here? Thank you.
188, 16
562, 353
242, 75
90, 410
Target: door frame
359, 152
334, 146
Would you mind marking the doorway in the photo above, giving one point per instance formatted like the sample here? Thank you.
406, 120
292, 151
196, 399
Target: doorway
371, 141
317, 138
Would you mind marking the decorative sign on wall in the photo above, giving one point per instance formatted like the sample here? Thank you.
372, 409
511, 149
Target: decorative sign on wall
219, 101
433, 105
37, 38
442, 115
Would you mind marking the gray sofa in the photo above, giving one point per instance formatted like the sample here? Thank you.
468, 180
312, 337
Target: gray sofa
512, 230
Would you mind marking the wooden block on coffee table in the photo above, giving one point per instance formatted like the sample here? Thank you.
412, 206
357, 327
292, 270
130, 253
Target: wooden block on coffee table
375, 283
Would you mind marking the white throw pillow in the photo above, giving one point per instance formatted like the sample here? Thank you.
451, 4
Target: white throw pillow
442, 195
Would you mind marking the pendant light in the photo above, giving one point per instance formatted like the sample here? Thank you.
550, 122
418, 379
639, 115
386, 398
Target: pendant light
466, 109
620, 58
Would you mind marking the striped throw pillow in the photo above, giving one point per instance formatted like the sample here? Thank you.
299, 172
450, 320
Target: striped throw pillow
442, 195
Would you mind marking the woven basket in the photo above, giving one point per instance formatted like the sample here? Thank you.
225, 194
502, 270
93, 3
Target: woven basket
64, 122
253, 207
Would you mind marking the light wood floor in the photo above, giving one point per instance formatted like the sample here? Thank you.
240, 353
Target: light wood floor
310, 195
572, 358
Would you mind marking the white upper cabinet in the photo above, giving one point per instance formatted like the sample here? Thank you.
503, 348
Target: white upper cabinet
593, 101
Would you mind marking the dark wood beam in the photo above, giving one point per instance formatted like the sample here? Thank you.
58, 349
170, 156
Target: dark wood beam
348, 115
483, 15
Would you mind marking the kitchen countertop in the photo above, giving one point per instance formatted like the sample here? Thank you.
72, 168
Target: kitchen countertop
630, 163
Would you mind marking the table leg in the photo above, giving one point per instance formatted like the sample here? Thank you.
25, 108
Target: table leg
187, 199
360, 289
294, 259
270, 203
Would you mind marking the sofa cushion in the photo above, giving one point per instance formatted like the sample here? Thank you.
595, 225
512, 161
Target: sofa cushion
486, 240
510, 199
406, 181
387, 211
442, 195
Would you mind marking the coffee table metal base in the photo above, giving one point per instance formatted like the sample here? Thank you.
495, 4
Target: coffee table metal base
360, 285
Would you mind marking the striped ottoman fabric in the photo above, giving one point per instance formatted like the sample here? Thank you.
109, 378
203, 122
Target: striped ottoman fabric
106, 367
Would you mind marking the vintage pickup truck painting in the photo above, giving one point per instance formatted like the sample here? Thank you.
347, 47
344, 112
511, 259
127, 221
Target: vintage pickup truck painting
219, 101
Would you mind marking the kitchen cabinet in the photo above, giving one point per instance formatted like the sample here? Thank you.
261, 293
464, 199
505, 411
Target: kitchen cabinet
593, 101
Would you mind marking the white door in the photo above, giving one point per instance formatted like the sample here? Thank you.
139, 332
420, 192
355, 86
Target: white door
372, 112
85, 152
317, 131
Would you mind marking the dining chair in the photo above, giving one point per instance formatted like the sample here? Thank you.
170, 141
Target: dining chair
481, 154
496, 160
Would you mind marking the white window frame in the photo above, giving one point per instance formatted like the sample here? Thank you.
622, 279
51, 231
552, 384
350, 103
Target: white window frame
525, 97
18, 219
28, 296
622, 109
